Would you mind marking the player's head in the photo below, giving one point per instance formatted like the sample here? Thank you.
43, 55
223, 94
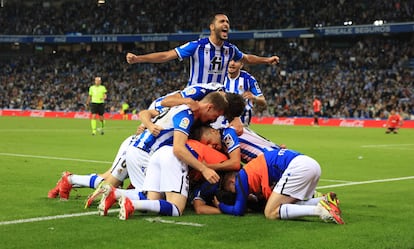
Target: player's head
228, 181
207, 135
212, 106
235, 66
236, 106
98, 80
219, 26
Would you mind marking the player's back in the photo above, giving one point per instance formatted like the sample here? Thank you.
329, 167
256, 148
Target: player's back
252, 145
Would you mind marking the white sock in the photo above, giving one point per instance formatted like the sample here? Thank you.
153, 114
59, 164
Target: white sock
312, 202
292, 211
88, 181
157, 206
132, 194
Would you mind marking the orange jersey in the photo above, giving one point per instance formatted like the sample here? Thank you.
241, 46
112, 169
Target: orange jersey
206, 153
394, 121
258, 176
317, 105
203, 153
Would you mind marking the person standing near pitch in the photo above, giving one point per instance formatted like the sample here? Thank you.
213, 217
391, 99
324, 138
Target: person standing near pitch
96, 99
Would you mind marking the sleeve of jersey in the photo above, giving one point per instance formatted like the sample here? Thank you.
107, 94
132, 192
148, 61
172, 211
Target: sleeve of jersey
206, 153
237, 53
183, 121
186, 50
205, 192
230, 139
242, 192
194, 92
254, 87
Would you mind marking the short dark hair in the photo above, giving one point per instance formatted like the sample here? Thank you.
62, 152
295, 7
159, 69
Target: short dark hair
218, 100
236, 106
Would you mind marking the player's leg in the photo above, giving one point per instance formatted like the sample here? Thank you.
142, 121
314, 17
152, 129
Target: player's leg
299, 183
165, 174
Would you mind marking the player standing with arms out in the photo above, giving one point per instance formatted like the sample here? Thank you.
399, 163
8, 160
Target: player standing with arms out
96, 99
317, 107
209, 57
241, 82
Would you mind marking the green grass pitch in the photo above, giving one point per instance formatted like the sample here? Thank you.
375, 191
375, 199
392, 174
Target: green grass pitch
372, 173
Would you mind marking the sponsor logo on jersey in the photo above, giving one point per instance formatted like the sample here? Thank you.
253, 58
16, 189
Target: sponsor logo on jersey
184, 123
228, 141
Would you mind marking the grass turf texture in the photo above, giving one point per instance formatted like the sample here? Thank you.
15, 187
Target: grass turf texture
34, 152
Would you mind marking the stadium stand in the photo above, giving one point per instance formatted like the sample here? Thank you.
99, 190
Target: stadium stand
356, 76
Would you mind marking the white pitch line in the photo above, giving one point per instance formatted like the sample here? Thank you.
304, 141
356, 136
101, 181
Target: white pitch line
384, 145
366, 182
185, 223
53, 158
332, 180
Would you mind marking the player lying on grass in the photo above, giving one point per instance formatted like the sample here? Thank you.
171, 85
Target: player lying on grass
251, 145
294, 177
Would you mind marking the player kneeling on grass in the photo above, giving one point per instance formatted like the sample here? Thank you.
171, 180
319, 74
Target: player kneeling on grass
295, 175
166, 176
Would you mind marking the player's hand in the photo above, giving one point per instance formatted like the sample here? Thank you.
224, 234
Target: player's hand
210, 175
248, 95
216, 203
273, 60
237, 126
155, 129
140, 129
130, 58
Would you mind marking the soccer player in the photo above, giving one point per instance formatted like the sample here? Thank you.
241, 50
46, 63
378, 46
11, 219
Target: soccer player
241, 82
117, 171
394, 122
251, 145
209, 57
317, 110
96, 99
176, 124
166, 176
287, 179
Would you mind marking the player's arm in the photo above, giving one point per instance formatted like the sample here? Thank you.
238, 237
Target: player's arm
177, 99
233, 163
182, 153
254, 59
257, 100
146, 120
200, 207
158, 57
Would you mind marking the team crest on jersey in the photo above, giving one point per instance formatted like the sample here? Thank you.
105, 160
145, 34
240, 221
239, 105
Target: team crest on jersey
184, 123
228, 141
189, 91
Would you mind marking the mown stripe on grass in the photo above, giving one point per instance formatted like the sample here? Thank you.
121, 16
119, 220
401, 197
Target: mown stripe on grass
53, 158
184, 223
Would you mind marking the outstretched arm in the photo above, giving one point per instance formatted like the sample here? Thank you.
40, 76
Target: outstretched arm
158, 57
254, 59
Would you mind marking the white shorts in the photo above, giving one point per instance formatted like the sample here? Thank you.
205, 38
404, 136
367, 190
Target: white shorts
300, 178
118, 169
165, 173
136, 163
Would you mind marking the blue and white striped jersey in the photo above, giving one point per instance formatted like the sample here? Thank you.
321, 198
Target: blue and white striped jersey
252, 145
178, 118
196, 92
244, 82
208, 62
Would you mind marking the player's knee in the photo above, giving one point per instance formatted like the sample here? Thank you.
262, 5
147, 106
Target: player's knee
272, 213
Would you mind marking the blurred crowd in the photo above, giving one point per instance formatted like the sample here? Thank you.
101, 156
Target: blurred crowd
158, 16
356, 77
